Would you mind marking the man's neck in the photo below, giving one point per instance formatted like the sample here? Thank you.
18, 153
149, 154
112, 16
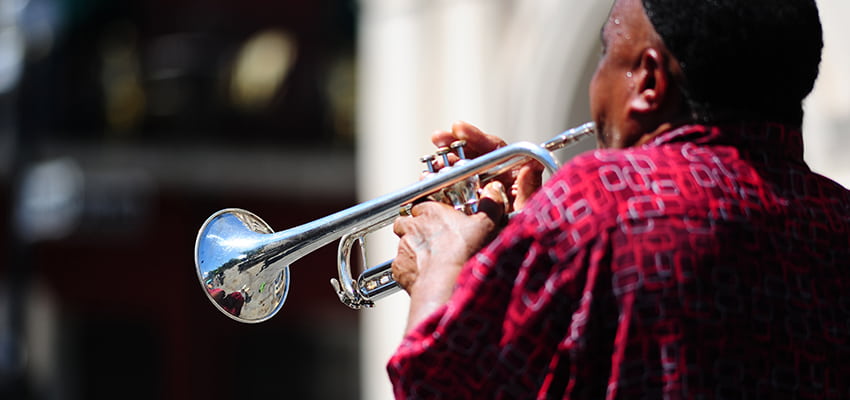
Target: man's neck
663, 127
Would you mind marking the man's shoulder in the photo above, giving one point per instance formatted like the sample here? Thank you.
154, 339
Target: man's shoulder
599, 184
613, 182
604, 164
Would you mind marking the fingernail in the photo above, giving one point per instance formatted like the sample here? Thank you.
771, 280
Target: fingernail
494, 189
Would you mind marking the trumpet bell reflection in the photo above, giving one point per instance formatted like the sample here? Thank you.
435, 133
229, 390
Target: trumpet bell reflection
241, 279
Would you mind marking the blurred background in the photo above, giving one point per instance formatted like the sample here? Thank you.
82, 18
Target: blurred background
125, 124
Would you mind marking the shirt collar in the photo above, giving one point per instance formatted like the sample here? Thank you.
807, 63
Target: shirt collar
767, 137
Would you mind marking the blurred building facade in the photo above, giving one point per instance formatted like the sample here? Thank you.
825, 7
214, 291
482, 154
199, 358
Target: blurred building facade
123, 125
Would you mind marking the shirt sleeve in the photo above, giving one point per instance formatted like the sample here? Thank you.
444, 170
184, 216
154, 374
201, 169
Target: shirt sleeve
496, 322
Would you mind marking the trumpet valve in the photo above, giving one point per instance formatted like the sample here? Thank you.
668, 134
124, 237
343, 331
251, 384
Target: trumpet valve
428, 160
444, 153
429, 172
463, 196
458, 146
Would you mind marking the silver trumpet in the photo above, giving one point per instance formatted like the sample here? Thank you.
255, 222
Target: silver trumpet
243, 265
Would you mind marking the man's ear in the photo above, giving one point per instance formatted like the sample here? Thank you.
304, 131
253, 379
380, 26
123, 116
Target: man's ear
650, 81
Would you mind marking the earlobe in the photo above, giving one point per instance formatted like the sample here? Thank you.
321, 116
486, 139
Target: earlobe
650, 83
644, 101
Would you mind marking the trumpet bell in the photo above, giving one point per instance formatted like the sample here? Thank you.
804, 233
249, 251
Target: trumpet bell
239, 271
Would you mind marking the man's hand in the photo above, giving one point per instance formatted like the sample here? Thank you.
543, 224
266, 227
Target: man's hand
435, 242
522, 181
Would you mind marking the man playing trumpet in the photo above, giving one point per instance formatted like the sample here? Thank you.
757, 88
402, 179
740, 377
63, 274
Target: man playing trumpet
693, 255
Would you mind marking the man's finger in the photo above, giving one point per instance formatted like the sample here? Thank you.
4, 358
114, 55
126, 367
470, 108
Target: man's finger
529, 179
494, 201
426, 207
443, 138
399, 225
477, 142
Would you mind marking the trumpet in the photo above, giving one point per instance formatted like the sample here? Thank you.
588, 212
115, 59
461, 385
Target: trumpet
243, 265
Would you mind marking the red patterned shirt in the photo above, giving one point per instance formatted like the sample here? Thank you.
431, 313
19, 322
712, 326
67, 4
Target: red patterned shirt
711, 263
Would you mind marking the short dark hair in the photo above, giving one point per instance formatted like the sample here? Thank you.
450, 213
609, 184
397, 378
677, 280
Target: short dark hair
753, 58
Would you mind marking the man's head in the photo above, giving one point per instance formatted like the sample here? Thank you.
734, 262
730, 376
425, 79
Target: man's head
672, 61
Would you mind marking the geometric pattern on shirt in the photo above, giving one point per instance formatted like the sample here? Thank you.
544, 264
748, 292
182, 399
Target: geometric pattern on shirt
709, 264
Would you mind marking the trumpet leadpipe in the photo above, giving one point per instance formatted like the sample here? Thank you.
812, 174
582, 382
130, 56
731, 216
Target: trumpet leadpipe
560, 141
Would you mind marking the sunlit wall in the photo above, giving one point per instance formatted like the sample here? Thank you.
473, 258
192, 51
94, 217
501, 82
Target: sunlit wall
827, 121
518, 69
